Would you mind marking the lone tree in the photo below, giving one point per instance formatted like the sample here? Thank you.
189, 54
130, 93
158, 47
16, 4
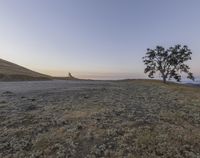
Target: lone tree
170, 63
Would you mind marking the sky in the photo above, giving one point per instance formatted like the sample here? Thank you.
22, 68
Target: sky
99, 39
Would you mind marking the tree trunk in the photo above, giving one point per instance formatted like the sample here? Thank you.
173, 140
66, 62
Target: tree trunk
164, 79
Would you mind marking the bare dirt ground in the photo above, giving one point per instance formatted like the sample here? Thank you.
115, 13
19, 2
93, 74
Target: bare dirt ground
91, 119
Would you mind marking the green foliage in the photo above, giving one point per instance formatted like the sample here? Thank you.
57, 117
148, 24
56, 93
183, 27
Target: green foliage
170, 63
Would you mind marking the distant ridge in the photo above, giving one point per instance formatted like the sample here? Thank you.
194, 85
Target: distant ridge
13, 72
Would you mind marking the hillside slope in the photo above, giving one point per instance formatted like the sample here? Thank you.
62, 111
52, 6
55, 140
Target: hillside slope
13, 72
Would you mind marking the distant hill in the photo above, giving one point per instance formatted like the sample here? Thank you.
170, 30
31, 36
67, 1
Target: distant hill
13, 72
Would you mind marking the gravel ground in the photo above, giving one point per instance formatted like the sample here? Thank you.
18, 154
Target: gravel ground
91, 119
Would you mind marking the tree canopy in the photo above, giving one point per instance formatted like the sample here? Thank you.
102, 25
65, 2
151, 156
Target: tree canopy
170, 63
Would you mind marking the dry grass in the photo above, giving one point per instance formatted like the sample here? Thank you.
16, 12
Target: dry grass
129, 119
10, 72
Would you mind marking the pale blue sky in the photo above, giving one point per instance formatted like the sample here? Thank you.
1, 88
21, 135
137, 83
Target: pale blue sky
95, 38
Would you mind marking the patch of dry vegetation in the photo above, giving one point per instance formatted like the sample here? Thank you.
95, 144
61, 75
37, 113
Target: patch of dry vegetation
130, 119
13, 72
